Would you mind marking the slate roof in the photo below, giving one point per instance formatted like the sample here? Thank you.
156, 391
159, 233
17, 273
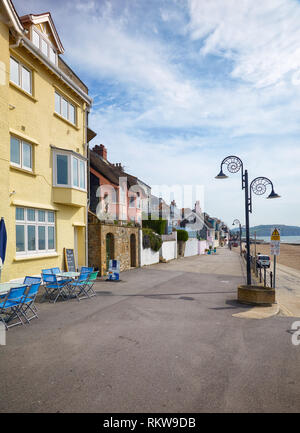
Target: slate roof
110, 171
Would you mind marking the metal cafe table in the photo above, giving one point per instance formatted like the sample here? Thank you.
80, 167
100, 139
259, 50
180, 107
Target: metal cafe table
72, 275
68, 275
5, 287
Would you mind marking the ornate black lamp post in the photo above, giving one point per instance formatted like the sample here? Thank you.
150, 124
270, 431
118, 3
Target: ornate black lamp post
236, 221
258, 186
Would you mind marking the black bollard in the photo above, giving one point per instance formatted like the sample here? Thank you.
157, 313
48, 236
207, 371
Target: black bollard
271, 279
265, 277
260, 274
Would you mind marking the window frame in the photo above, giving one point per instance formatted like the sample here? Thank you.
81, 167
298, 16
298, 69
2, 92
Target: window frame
71, 158
49, 45
20, 76
60, 112
21, 165
36, 223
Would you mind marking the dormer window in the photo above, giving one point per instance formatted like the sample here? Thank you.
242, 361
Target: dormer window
44, 45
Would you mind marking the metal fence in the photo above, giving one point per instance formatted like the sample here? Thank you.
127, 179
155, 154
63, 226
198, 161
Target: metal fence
262, 274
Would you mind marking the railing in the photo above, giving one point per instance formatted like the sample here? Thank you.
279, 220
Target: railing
260, 273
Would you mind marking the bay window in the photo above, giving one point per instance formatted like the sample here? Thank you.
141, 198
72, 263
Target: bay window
69, 170
35, 231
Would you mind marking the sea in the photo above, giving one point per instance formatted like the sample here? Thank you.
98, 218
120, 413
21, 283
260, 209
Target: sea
283, 239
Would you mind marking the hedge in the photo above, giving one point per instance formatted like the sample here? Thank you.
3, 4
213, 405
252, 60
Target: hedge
151, 240
159, 226
182, 235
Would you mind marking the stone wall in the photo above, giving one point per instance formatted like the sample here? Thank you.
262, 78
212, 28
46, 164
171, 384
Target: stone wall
121, 240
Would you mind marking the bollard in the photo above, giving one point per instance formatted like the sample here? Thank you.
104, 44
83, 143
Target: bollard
271, 279
260, 275
265, 277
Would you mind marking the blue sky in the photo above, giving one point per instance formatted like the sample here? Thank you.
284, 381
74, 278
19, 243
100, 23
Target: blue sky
179, 85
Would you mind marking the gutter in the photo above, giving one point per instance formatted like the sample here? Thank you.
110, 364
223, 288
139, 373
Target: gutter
17, 44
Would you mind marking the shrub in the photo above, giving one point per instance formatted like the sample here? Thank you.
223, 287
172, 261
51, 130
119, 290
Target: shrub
159, 226
182, 235
151, 240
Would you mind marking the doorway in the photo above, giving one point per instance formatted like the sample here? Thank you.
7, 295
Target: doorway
132, 251
76, 247
110, 253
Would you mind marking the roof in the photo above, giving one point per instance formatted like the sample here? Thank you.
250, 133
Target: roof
102, 167
43, 18
14, 19
110, 171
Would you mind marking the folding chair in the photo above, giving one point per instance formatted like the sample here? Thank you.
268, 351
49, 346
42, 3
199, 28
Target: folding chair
79, 284
28, 281
55, 271
31, 280
53, 286
10, 307
86, 269
91, 281
27, 305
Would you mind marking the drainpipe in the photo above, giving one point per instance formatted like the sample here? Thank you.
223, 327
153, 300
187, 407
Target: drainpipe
16, 45
88, 190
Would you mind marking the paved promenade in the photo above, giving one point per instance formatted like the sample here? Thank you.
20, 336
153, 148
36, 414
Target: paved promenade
164, 339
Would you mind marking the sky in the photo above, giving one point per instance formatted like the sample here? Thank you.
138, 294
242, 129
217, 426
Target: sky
178, 85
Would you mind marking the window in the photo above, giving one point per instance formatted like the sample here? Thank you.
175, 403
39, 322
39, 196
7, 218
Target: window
82, 174
35, 231
20, 75
65, 108
20, 153
44, 45
36, 38
52, 55
69, 171
132, 201
62, 170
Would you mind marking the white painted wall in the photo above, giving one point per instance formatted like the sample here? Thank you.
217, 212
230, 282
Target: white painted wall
191, 247
168, 250
147, 256
202, 245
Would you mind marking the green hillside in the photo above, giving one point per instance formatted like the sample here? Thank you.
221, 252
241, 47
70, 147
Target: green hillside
265, 230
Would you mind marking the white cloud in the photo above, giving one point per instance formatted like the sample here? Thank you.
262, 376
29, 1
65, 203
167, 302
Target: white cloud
261, 37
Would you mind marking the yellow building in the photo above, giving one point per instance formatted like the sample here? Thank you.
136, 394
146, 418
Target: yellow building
43, 147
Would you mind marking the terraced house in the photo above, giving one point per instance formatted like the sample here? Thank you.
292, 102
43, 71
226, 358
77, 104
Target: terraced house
44, 137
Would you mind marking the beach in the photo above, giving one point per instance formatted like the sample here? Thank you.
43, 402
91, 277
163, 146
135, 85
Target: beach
289, 254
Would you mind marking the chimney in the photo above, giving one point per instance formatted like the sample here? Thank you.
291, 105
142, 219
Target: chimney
101, 150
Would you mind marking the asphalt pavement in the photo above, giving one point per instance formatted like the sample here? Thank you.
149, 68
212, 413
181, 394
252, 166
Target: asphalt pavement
164, 339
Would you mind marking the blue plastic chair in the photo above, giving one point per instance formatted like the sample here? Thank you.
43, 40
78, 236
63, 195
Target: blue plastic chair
55, 271
10, 306
53, 286
31, 280
86, 269
80, 285
27, 305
